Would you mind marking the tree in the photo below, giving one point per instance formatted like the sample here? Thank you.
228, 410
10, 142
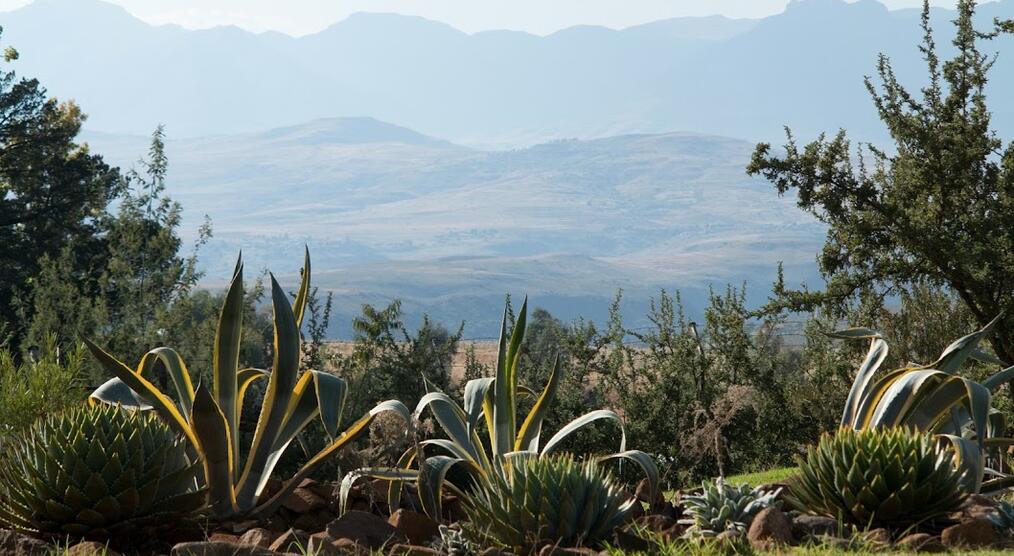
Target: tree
53, 192
938, 210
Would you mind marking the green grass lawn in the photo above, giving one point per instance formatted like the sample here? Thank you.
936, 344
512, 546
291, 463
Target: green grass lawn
779, 475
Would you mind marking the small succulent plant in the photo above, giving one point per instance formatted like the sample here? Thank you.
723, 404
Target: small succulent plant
553, 498
892, 477
722, 507
1002, 517
97, 472
452, 542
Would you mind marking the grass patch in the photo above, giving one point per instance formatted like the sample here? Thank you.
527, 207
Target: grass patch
779, 475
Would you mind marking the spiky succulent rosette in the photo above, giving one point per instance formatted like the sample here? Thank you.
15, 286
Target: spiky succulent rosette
891, 477
97, 472
553, 498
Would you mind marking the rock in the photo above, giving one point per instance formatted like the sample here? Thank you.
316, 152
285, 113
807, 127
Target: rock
655, 523
293, 540
366, 529
975, 533
412, 550
627, 540
807, 526
219, 536
303, 501
349, 546
313, 521
16, 544
920, 542
218, 548
977, 505
258, 536
417, 527
636, 511
321, 545
239, 527
90, 548
769, 528
644, 494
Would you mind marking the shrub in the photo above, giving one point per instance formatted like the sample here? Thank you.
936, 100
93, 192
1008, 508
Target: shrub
891, 477
36, 388
553, 498
723, 507
97, 472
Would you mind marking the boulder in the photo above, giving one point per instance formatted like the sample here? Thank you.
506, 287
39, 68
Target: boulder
879, 536
293, 540
258, 536
626, 538
807, 526
366, 529
321, 545
219, 548
920, 542
974, 533
770, 528
16, 544
417, 527
303, 501
553, 550
90, 548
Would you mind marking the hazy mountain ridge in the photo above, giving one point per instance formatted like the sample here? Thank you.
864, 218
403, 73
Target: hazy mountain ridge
390, 213
496, 87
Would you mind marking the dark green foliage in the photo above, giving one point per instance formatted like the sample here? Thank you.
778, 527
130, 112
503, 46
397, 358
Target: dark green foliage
878, 478
389, 361
52, 192
97, 472
40, 385
553, 499
935, 208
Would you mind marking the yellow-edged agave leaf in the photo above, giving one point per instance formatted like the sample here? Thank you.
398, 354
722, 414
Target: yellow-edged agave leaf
212, 430
583, 421
528, 436
349, 435
170, 361
303, 294
874, 358
225, 358
285, 369
645, 462
935, 398
502, 433
476, 391
451, 419
159, 401
210, 419
432, 481
955, 355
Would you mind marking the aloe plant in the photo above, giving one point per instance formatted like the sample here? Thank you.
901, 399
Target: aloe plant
210, 419
934, 398
491, 402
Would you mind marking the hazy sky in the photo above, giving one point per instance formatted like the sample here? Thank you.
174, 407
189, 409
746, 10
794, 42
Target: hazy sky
299, 17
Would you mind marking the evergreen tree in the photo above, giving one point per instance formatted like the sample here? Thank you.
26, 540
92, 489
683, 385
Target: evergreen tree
936, 209
53, 193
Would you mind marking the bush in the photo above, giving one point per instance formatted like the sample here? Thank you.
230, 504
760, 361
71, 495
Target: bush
40, 386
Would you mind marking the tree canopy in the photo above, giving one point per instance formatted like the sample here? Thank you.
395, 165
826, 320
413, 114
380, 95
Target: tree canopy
936, 208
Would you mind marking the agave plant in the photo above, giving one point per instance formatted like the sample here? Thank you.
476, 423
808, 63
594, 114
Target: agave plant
723, 507
1002, 517
96, 472
890, 477
493, 402
934, 398
554, 498
210, 419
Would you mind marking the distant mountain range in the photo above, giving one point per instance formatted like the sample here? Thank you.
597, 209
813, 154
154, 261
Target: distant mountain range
737, 78
390, 213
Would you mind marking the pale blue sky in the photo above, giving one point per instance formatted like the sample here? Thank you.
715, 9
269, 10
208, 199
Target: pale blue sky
299, 17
